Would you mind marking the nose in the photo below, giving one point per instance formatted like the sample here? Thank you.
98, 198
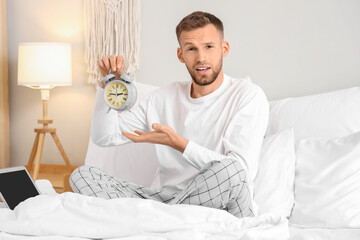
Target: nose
201, 55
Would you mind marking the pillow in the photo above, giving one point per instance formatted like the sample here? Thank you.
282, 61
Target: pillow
327, 183
45, 187
328, 115
274, 182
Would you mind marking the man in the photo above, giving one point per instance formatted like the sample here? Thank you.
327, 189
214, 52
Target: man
208, 132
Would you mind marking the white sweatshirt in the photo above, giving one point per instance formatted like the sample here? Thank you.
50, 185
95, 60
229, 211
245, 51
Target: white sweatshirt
228, 123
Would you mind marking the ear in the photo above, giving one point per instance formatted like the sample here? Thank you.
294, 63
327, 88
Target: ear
180, 55
226, 48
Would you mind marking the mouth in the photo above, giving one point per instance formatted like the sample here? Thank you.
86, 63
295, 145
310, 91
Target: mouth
202, 70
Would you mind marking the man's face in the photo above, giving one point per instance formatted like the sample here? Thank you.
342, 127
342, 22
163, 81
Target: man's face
202, 50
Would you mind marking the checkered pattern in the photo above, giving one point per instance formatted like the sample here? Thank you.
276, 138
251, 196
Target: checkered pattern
219, 185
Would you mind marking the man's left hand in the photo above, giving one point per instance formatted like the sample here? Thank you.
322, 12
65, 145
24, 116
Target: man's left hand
162, 134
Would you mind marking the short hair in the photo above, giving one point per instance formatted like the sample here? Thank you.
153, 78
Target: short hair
197, 20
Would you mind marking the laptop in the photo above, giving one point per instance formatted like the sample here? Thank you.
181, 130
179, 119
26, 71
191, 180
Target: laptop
16, 185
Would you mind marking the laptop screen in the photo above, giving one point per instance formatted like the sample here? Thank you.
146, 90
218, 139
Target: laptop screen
16, 186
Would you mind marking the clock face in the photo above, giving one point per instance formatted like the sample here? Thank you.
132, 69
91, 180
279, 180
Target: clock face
116, 94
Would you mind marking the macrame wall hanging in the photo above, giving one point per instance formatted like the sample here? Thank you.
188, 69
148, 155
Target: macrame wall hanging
112, 27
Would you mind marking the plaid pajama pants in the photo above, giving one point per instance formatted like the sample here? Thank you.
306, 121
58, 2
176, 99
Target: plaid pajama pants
221, 184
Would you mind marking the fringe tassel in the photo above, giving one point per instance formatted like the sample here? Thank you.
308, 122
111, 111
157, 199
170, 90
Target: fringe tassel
112, 27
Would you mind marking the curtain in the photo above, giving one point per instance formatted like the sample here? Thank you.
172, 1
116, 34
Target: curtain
4, 91
111, 27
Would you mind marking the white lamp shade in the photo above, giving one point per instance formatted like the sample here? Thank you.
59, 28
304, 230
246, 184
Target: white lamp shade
44, 64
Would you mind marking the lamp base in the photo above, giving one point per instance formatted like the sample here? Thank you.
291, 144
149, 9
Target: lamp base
38, 145
37, 150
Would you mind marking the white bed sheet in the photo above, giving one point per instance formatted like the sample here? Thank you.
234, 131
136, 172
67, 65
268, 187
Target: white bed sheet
7, 236
295, 234
324, 234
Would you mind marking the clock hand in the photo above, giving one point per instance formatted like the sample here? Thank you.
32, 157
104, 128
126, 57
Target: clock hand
116, 94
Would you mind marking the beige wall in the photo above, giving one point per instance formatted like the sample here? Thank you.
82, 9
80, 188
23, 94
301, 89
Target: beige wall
289, 48
69, 107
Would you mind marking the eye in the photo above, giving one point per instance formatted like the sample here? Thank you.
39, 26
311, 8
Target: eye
209, 46
191, 49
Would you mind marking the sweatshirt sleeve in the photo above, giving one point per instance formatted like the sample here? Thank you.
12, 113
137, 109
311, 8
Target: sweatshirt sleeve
107, 126
242, 138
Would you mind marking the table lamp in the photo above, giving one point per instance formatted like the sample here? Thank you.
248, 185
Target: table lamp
44, 65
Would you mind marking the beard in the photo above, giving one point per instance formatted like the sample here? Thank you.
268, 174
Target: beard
204, 80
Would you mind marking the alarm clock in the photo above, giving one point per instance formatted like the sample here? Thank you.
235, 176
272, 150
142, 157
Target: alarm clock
119, 94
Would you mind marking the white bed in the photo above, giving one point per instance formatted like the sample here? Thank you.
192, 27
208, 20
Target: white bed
307, 187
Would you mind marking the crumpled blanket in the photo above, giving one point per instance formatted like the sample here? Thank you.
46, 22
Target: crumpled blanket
71, 214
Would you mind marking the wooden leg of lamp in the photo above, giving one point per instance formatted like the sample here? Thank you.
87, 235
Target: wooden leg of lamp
67, 187
61, 149
33, 154
38, 155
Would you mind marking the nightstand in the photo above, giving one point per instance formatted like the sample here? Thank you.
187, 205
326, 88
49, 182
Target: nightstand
58, 175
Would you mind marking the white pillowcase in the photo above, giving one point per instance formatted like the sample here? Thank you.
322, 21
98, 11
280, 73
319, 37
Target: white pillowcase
330, 115
327, 183
274, 183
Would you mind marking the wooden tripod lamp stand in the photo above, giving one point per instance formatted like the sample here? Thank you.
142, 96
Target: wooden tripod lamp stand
43, 66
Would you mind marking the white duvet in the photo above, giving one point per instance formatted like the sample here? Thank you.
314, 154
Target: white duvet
75, 215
